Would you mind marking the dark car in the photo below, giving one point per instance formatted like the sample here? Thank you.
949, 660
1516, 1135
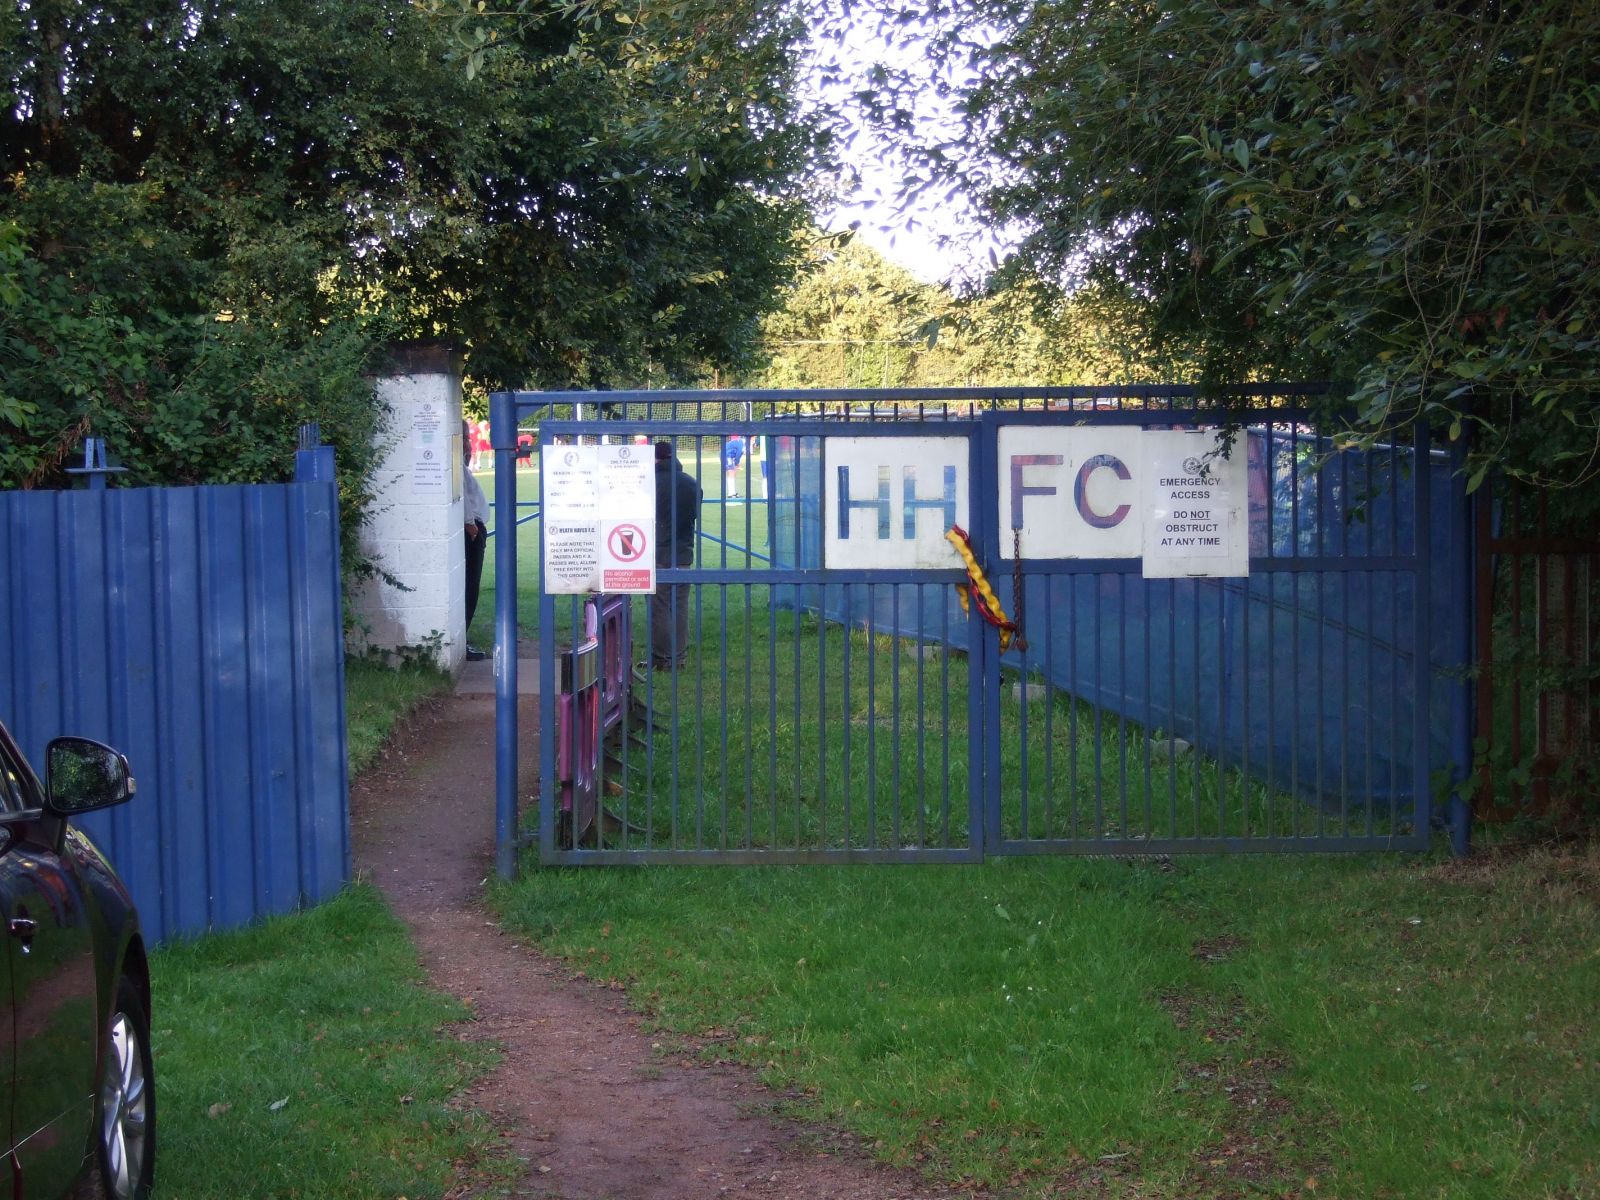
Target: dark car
78, 1082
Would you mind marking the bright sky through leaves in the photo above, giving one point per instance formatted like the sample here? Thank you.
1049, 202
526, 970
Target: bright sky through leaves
937, 234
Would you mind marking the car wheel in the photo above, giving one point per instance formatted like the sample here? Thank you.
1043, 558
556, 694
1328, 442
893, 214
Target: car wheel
125, 1126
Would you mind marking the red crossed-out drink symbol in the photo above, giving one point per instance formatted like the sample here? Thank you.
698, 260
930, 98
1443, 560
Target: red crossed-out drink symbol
627, 543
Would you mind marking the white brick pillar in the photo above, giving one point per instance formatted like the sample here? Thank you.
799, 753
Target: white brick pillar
415, 531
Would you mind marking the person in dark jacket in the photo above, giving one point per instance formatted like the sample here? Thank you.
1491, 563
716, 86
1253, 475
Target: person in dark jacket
475, 507
677, 515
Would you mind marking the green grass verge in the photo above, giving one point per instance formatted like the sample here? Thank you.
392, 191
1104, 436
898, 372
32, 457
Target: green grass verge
376, 696
1284, 1025
304, 1058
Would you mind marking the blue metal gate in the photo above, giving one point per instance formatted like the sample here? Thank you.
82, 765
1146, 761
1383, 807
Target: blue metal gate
859, 713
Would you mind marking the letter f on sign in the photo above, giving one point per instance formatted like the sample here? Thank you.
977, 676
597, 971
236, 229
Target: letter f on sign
1020, 489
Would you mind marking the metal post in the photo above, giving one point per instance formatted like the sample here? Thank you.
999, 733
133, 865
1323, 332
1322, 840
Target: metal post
1422, 657
549, 673
983, 660
503, 437
313, 462
94, 464
1467, 578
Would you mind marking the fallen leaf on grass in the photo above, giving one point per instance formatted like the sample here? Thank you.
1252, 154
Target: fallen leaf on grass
216, 1110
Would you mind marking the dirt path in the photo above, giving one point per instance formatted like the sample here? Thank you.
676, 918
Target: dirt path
582, 1097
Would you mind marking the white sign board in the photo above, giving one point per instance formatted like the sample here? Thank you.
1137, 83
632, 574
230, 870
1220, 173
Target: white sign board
430, 451
569, 482
887, 502
570, 507
1070, 489
1195, 514
571, 558
599, 519
627, 548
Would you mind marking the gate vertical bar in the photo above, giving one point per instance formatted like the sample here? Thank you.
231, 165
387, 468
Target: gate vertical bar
503, 437
1465, 575
549, 685
985, 795
1421, 659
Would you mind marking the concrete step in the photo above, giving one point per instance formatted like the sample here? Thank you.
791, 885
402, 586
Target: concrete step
477, 678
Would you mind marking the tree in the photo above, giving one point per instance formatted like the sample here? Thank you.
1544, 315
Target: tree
213, 215
848, 321
1395, 194
649, 167
188, 185
853, 319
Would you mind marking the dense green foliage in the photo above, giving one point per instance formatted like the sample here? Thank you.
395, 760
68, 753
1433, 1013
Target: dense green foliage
1396, 194
645, 172
214, 216
853, 319
184, 180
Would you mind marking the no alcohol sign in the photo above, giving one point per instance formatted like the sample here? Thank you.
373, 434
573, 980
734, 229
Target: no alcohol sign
623, 565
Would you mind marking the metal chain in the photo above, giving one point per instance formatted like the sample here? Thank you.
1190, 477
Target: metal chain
1017, 589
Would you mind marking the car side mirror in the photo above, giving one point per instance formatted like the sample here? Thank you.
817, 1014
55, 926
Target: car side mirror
82, 775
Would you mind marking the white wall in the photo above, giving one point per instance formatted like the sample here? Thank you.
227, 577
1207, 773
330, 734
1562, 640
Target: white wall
415, 532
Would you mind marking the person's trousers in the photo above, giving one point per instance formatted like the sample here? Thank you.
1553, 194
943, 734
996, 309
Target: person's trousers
669, 624
475, 549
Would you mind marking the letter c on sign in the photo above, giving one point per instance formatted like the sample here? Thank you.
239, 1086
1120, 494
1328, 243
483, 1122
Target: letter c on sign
1080, 491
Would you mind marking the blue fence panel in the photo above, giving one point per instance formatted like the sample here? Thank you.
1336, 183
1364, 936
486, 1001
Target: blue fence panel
198, 630
1314, 669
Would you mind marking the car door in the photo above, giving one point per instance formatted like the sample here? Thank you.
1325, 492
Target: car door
53, 1003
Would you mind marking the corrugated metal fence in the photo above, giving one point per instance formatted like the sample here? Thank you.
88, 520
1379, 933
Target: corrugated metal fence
197, 629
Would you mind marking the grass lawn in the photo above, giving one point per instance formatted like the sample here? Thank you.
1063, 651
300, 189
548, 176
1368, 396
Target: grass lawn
303, 1058
767, 696
1282, 1025
1293, 1026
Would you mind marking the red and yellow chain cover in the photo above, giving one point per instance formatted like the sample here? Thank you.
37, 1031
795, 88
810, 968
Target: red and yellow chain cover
978, 590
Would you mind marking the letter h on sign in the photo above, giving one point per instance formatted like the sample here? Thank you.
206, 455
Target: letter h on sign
945, 503
881, 503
